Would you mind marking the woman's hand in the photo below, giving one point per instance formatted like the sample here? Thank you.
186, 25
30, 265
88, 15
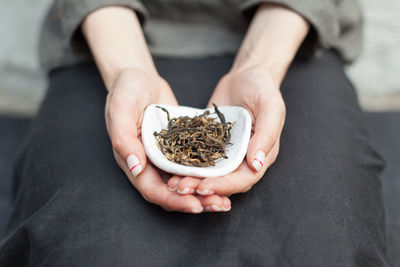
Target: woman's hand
132, 92
252, 88
270, 45
118, 46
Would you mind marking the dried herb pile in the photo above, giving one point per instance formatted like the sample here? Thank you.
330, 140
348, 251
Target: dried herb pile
197, 141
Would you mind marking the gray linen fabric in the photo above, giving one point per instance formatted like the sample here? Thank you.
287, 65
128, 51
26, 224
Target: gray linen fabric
199, 27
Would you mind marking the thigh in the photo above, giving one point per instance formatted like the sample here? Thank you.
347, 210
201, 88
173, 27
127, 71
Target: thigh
321, 200
73, 206
318, 205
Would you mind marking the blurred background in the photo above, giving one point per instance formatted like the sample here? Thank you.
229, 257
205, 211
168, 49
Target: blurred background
376, 74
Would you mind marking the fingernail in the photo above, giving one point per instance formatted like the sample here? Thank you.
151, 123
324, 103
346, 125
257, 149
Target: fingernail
186, 190
258, 161
134, 165
172, 189
226, 208
197, 210
204, 192
216, 208
207, 208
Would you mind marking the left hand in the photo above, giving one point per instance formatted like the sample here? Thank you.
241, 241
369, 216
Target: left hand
270, 45
254, 88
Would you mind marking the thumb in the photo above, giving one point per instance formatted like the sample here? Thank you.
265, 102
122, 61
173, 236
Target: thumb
269, 122
123, 131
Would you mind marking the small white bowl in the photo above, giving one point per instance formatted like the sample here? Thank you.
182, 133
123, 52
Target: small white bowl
154, 119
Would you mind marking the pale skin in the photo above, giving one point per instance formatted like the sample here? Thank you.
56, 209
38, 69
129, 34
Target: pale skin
121, 54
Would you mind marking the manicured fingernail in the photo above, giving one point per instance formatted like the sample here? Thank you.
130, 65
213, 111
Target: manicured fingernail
134, 165
216, 208
258, 161
205, 192
197, 210
226, 208
186, 190
172, 189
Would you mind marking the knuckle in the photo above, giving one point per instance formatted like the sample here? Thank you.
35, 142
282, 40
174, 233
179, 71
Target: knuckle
145, 196
148, 197
167, 209
117, 142
246, 188
145, 191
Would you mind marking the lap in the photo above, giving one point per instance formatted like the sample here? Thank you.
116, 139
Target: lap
318, 205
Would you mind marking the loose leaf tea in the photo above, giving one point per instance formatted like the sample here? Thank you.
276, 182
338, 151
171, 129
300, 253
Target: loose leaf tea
197, 141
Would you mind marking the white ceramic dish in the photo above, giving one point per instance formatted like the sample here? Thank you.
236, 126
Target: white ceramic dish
154, 119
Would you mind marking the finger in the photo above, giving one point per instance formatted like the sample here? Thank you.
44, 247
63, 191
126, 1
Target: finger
122, 126
173, 183
239, 181
154, 190
216, 203
188, 185
269, 120
227, 203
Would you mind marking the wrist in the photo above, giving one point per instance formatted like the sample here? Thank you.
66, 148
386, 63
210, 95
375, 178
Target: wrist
272, 41
127, 72
116, 40
274, 64
135, 77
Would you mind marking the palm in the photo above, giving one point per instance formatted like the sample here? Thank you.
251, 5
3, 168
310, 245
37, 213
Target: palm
253, 89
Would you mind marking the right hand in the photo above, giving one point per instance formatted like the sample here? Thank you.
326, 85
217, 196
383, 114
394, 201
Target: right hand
130, 94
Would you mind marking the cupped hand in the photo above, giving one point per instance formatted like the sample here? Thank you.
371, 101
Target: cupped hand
255, 89
128, 97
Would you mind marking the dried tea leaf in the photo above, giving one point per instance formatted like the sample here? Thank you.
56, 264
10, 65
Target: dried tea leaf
197, 141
